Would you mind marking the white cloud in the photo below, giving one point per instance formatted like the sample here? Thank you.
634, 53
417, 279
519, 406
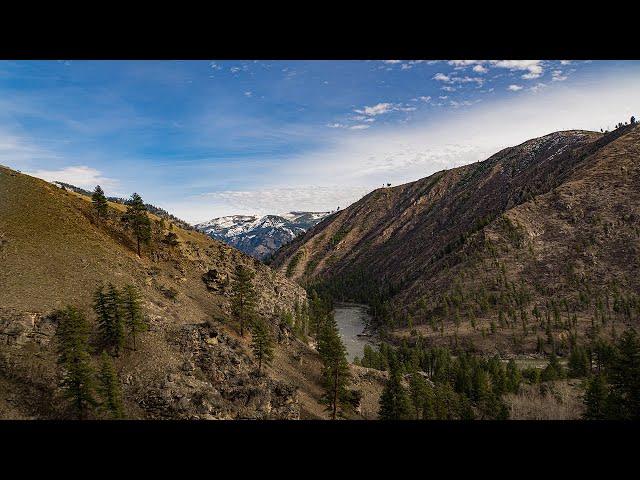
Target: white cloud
533, 67
81, 176
538, 87
557, 76
464, 63
424, 98
248, 93
406, 66
359, 127
378, 109
480, 69
441, 77
392, 61
515, 88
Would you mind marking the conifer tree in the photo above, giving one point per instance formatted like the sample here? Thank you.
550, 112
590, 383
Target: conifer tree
553, 371
419, 393
243, 296
100, 201
335, 368
108, 307
132, 311
73, 356
394, 402
137, 220
109, 388
595, 398
578, 362
261, 343
624, 377
514, 377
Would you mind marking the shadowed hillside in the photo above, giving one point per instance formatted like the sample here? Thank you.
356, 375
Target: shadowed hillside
538, 243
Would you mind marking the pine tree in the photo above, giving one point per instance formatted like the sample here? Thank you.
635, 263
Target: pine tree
419, 393
624, 377
578, 362
108, 308
595, 398
137, 220
243, 299
335, 369
73, 356
261, 343
132, 310
100, 202
553, 371
514, 377
109, 388
394, 402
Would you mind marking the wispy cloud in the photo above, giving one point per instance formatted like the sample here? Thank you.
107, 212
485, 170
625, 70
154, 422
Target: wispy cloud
80, 175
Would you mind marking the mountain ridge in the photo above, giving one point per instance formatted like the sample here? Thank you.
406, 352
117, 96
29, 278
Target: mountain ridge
260, 236
407, 250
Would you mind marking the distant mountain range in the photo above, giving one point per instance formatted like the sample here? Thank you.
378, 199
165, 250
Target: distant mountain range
259, 236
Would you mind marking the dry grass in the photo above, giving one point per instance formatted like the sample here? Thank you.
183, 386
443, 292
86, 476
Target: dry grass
52, 253
559, 400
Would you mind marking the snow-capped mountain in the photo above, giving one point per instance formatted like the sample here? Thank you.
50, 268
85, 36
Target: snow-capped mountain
260, 236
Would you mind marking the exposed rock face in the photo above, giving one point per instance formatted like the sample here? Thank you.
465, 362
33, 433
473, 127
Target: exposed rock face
19, 328
214, 381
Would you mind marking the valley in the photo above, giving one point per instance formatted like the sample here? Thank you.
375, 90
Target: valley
500, 289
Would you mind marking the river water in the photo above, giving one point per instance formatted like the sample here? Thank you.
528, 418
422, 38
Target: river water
352, 319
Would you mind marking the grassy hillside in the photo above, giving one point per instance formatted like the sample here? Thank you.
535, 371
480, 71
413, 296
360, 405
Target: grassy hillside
191, 363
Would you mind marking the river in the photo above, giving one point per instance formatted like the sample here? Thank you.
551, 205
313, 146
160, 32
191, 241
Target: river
352, 319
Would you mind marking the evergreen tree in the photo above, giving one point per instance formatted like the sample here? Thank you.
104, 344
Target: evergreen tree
243, 296
514, 377
595, 398
553, 371
109, 388
394, 402
261, 343
137, 220
335, 369
419, 393
100, 202
578, 362
73, 356
132, 311
108, 308
624, 377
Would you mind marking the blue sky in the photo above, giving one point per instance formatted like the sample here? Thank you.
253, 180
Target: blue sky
210, 138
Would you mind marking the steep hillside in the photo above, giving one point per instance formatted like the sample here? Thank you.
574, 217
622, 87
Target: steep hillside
190, 364
549, 226
260, 237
